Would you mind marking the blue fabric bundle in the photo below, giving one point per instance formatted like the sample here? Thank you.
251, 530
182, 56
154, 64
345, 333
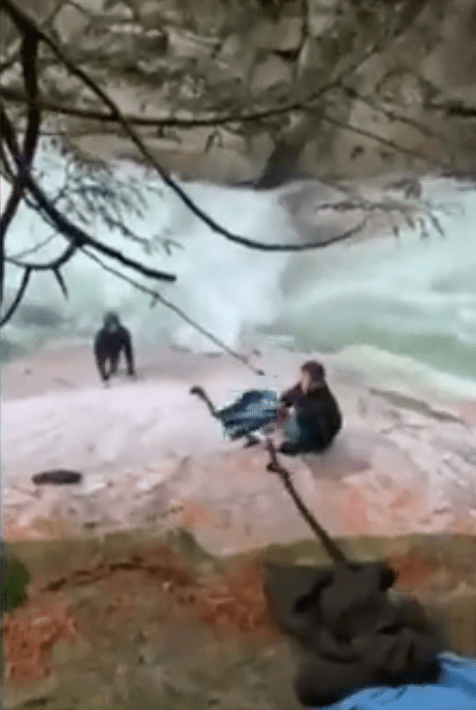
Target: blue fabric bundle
454, 690
252, 411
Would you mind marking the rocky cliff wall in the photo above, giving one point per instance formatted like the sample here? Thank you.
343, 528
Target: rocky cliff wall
393, 63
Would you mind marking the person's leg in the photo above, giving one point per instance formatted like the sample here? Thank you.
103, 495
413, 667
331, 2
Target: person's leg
107, 368
292, 429
293, 437
102, 367
114, 364
302, 434
313, 439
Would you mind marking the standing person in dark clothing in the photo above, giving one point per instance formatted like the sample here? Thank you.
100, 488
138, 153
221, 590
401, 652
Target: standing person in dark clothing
110, 341
316, 419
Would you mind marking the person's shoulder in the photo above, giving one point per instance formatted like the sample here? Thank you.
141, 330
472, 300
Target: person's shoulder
322, 393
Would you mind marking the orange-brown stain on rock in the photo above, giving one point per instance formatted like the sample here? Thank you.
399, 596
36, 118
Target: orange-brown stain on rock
231, 602
354, 514
464, 524
29, 634
236, 602
401, 500
194, 514
414, 572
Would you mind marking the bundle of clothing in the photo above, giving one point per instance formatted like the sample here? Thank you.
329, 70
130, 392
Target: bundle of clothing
252, 411
360, 647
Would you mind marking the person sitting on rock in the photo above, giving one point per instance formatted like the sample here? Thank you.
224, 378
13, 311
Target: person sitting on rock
316, 418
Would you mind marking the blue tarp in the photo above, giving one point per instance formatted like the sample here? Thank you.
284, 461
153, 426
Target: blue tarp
252, 411
455, 690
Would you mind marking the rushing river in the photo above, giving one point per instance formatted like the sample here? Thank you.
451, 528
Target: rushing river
407, 304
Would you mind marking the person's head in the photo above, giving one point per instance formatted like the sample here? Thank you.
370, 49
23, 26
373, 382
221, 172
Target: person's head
312, 375
111, 321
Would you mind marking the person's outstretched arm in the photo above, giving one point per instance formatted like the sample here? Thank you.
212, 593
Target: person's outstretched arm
286, 401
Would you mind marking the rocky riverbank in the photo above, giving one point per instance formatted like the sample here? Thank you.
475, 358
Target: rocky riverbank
151, 456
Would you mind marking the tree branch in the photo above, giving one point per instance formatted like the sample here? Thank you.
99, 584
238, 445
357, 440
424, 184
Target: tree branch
330, 546
78, 238
52, 265
33, 250
173, 122
117, 115
389, 113
15, 54
81, 238
156, 122
29, 53
22, 20
74, 234
17, 300
454, 108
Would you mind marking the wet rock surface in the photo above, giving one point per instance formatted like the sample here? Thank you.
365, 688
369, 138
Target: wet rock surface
150, 455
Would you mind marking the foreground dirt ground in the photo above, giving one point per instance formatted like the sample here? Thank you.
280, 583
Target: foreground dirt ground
132, 621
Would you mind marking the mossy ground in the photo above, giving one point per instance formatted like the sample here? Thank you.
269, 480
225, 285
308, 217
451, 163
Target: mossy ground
132, 622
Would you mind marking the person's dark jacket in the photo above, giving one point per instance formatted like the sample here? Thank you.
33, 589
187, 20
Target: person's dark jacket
316, 411
109, 344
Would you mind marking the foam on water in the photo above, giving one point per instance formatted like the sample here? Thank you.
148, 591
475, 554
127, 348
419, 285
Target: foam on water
415, 299
409, 305
224, 286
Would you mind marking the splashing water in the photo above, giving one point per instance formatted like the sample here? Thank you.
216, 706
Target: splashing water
407, 304
412, 299
223, 286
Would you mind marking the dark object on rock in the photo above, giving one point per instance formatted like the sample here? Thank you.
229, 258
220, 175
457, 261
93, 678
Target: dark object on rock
14, 579
352, 633
254, 410
109, 343
57, 477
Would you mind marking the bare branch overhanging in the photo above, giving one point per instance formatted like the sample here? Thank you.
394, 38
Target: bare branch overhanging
303, 104
29, 28
74, 233
64, 225
29, 25
28, 53
117, 115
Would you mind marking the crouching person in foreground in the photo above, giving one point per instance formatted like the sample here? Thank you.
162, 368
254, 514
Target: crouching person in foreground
109, 343
316, 418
